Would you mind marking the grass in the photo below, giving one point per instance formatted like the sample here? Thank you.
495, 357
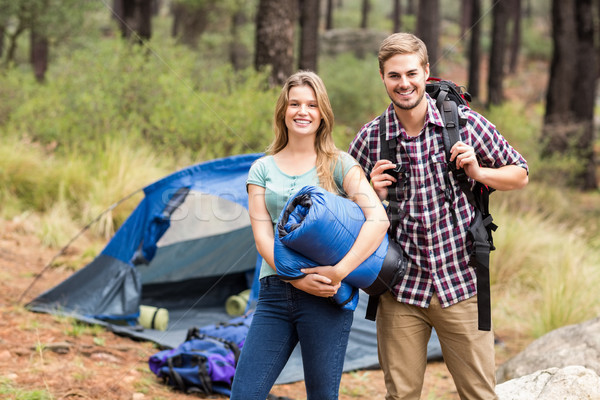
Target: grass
544, 272
8, 390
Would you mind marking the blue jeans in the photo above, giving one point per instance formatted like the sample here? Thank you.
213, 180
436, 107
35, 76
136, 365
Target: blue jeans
285, 316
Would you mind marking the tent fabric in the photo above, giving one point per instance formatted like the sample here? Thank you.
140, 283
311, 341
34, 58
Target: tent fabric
186, 247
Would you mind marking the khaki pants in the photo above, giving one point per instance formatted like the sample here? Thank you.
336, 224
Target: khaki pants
403, 332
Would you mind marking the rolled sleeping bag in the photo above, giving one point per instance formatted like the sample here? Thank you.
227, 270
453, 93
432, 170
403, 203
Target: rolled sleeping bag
236, 305
317, 228
346, 296
154, 317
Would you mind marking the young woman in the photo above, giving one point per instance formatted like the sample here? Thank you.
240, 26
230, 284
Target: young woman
302, 153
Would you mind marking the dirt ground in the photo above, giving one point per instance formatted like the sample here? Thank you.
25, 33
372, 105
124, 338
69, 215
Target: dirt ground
75, 361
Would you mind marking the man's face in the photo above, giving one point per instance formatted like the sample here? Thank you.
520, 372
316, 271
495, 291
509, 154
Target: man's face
404, 79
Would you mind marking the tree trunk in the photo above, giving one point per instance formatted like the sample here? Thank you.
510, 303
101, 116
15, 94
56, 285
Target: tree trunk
515, 45
597, 10
39, 55
558, 119
136, 20
411, 9
38, 40
475, 49
397, 16
2, 31
496, 68
428, 29
329, 15
562, 69
117, 11
309, 34
584, 93
12, 42
275, 38
238, 53
190, 22
528, 10
466, 19
364, 19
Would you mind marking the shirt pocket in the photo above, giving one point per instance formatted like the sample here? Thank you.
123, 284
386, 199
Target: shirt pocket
437, 175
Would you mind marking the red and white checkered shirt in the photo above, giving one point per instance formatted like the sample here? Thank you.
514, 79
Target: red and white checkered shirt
437, 246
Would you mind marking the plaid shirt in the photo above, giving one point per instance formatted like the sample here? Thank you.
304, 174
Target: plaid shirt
436, 244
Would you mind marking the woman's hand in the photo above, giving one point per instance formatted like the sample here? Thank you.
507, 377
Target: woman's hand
329, 272
315, 284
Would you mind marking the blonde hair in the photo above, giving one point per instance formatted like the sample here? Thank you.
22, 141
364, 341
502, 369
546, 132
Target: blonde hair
402, 43
327, 152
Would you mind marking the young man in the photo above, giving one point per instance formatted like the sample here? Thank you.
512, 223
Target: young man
439, 288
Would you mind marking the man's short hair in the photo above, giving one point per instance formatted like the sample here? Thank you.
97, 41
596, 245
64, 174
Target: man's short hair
402, 43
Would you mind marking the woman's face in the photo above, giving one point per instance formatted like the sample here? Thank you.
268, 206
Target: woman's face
302, 115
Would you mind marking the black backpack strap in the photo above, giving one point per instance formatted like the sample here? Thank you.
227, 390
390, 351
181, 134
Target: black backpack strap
174, 375
371, 313
392, 211
388, 152
482, 226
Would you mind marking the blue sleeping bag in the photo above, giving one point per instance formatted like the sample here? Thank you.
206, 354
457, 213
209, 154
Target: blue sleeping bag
318, 228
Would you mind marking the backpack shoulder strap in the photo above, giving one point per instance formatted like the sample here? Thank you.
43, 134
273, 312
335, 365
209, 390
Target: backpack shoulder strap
385, 145
482, 226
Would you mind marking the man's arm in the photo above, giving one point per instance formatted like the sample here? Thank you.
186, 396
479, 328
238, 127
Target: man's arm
508, 177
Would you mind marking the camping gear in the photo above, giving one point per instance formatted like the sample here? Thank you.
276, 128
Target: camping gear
201, 364
198, 254
154, 317
236, 304
316, 228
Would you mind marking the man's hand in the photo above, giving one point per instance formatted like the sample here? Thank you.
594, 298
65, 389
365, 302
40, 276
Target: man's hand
466, 159
381, 178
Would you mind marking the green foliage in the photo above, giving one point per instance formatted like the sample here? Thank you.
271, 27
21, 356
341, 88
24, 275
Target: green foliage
355, 90
536, 42
9, 390
168, 100
32, 176
521, 129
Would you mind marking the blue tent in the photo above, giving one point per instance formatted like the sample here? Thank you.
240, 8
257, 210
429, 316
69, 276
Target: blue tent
187, 247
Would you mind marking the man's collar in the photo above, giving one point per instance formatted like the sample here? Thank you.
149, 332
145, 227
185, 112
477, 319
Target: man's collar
433, 117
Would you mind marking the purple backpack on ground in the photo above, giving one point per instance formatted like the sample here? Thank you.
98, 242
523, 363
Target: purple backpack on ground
205, 362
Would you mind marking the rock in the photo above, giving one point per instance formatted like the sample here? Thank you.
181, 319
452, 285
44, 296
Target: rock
59, 348
5, 355
101, 356
568, 383
570, 345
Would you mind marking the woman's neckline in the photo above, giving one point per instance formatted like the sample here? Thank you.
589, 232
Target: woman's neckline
288, 174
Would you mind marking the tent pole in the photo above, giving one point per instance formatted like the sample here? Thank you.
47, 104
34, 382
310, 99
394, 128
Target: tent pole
65, 247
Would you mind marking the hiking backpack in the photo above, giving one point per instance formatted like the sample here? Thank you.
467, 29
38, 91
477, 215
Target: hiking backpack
448, 97
205, 362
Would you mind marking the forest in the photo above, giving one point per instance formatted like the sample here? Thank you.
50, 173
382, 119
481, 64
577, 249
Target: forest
99, 98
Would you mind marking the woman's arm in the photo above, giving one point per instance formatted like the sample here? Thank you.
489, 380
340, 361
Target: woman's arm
371, 233
262, 229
